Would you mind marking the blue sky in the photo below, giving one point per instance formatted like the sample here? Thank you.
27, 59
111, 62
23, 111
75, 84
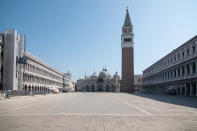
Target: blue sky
83, 36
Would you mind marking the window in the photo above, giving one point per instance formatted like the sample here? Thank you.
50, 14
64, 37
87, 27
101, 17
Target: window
194, 49
183, 70
187, 52
171, 74
179, 56
175, 73
188, 69
127, 39
183, 54
179, 71
194, 67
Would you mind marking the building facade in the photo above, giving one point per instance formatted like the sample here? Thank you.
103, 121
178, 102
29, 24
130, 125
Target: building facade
1, 60
101, 83
176, 73
127, 55
138, 81
24, 72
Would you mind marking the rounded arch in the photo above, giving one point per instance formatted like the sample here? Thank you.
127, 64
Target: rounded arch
29, 88
87, 88
93, 88
107, 88
113, 88
25, 88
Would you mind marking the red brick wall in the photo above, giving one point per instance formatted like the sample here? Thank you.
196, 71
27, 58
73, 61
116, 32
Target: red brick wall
127, 70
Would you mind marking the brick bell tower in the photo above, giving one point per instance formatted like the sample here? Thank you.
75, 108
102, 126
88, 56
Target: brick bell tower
127, 55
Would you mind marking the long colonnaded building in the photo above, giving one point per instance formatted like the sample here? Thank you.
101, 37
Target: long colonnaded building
176, 73
24, 72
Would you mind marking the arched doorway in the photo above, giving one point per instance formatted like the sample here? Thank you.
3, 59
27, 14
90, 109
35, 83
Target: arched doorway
92, 88
29, 88
100, 83
183, 90
25, 88
107, 88
113, 88
188, 89
194, 89
87, 89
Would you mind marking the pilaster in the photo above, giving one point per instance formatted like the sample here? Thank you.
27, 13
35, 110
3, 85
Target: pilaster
191, 89
185, 89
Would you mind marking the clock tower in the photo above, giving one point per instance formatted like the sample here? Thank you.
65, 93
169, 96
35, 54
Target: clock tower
127, 55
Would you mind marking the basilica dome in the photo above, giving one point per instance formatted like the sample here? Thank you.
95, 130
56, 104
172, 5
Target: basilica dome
104, 73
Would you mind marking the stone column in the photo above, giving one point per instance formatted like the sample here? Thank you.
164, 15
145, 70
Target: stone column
185, 66
177, 73
196, 88
172, 74
181, 90
185, 89
191, 69
31, 88
177, 89
191, 91
181, 73
169, 75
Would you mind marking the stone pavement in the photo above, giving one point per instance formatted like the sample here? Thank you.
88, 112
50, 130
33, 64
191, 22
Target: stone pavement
99, 112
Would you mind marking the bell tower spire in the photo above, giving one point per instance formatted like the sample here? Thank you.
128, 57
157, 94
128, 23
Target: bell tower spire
127, 55
127, 21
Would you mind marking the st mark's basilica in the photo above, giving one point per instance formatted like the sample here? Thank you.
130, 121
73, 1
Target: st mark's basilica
103, 82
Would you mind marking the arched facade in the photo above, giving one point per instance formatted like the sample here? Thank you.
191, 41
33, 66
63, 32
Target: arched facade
176, 73
38, 77
101, 83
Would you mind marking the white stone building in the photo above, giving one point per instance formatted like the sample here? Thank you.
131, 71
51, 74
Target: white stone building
25, 72
176, 73
101, 83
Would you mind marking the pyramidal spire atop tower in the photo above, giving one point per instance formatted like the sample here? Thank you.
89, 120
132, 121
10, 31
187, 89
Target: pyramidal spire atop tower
127, 21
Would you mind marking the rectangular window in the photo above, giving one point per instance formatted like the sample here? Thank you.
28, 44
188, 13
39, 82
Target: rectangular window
171, 74
178, 56
188, 69
187, 52
183, 71
194, 49
194, 67
183, 55
179, 71
175, 73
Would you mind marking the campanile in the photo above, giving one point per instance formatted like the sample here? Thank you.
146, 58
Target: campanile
127, 55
